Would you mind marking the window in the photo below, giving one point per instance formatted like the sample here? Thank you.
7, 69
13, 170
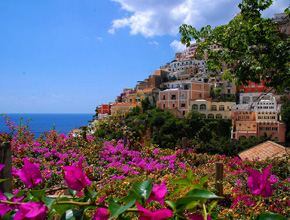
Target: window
195, 107
210, 116
219, 116
173, 97
213, 108
173, 105
221, 108
268, 128
246, 100
163, 97
202, 107
183, 105
274, 128
183, 112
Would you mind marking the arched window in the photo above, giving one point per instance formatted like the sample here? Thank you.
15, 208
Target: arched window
202, 107
195, 107
210, 116
213, 108
219, 116
203, 116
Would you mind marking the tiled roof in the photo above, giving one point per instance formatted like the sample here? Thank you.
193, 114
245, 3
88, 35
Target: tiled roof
264, 150
146, 90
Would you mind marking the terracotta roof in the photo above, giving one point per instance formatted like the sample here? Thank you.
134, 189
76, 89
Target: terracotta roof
146, 90
264, 150
76, 130
123, 104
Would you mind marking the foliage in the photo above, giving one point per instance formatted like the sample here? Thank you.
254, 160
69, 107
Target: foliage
286, 117
255, 45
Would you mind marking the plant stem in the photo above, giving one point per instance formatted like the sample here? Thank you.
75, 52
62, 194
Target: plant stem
10, 203
259, 202
205, 212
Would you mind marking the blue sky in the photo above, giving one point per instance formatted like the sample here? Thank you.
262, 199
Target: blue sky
68, 56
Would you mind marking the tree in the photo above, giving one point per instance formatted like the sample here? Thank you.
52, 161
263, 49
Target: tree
96, 110
255, 45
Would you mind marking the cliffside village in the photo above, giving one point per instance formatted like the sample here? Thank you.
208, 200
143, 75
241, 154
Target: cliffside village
185, 84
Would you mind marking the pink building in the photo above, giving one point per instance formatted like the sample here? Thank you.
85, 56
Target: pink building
246, 125
177, 99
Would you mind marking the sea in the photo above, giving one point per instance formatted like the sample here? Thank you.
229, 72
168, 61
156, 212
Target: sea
38, 123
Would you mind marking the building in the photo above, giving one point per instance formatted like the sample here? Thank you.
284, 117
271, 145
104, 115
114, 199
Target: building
121, 109
247, 124
178, 95
104, 109
211, 109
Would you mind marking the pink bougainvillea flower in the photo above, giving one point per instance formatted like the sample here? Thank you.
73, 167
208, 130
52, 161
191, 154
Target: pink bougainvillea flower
4, 207
258, 182
195, 216
158, 193
101, 214
145, 214
75, 177
30, 174
31, 211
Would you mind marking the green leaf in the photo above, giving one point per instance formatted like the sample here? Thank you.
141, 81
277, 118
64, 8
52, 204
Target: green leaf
143, 189
61, 208
192, 205
205, 178
195, 186
90, 193
6, 216
189, 175
181, 181
202, 194
48, 201
72, 192
171, 204
132, 195
20, 193
184, 201
116, 209
39, 194
270, 216
73, 214
29, 196
51, 214
2, 180
177, 189
9, 195
211, 206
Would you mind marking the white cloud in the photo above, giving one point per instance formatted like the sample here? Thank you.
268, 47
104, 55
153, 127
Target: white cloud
177, 46
99, 38
154, 43
160, 17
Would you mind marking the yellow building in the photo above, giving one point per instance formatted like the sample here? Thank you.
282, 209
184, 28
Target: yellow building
121, 109
210, 109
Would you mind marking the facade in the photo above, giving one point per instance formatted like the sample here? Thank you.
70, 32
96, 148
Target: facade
180, 94
227, 87
246, 126
121, 109
253, 87
211, 109
104, 109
